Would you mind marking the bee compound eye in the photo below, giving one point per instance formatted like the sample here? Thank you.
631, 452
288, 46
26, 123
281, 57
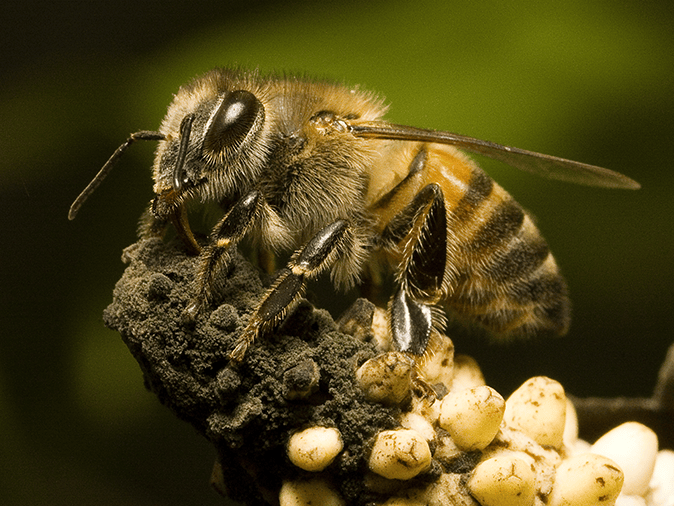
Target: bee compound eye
233, 120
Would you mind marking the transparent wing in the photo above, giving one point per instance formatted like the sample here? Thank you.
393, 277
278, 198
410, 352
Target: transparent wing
543, 165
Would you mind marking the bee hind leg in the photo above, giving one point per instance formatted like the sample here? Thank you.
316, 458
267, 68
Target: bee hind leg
422, 228
309, 262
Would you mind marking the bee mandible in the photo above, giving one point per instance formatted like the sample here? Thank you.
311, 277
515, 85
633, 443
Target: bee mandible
312, 166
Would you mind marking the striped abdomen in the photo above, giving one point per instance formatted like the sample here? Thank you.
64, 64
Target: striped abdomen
503, 275
499, 271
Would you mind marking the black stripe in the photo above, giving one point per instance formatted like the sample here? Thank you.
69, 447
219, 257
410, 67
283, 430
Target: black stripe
524, 257
479, 188
542, 289
502, 225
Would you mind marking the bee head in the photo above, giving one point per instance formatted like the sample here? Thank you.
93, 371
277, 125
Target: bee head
216, 149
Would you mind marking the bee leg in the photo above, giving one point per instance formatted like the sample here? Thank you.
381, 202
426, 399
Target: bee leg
422, 225
182, 227
421, 388
150, 226
227, 233
411, 323
317, 255
265, 259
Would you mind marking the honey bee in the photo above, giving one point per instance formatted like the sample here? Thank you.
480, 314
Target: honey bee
313, 167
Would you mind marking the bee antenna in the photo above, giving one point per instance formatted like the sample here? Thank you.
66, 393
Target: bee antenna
179, 171
143, 135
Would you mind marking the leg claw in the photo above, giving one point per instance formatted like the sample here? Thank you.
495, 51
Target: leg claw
192, 310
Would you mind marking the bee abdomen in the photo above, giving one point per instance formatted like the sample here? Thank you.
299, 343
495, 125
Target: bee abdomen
508, 280
538, 305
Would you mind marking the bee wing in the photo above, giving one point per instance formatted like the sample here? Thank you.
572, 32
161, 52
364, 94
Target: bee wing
537, 163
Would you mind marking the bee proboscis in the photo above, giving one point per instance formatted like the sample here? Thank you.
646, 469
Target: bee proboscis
313, 166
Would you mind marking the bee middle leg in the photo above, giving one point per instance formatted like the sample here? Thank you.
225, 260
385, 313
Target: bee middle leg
421, 227
309, 262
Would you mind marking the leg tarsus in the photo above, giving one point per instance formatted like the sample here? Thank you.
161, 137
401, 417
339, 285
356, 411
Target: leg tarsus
422, 228
318, 254
287, 289
411, 323
227, 233
425, 254
182, 226
150, 226
421, 388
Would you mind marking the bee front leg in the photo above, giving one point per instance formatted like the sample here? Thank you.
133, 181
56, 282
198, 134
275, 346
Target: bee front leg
422, 228
151, 226
227, 233
309, 262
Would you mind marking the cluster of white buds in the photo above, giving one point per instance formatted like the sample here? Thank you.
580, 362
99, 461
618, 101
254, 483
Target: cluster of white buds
519, 451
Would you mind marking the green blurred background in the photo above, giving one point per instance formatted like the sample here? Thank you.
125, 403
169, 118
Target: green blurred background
591, 81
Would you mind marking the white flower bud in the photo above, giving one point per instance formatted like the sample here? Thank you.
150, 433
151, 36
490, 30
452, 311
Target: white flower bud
315, 448
472, 417
503, 481
633, 447
400, 454
586, 480
538, 408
